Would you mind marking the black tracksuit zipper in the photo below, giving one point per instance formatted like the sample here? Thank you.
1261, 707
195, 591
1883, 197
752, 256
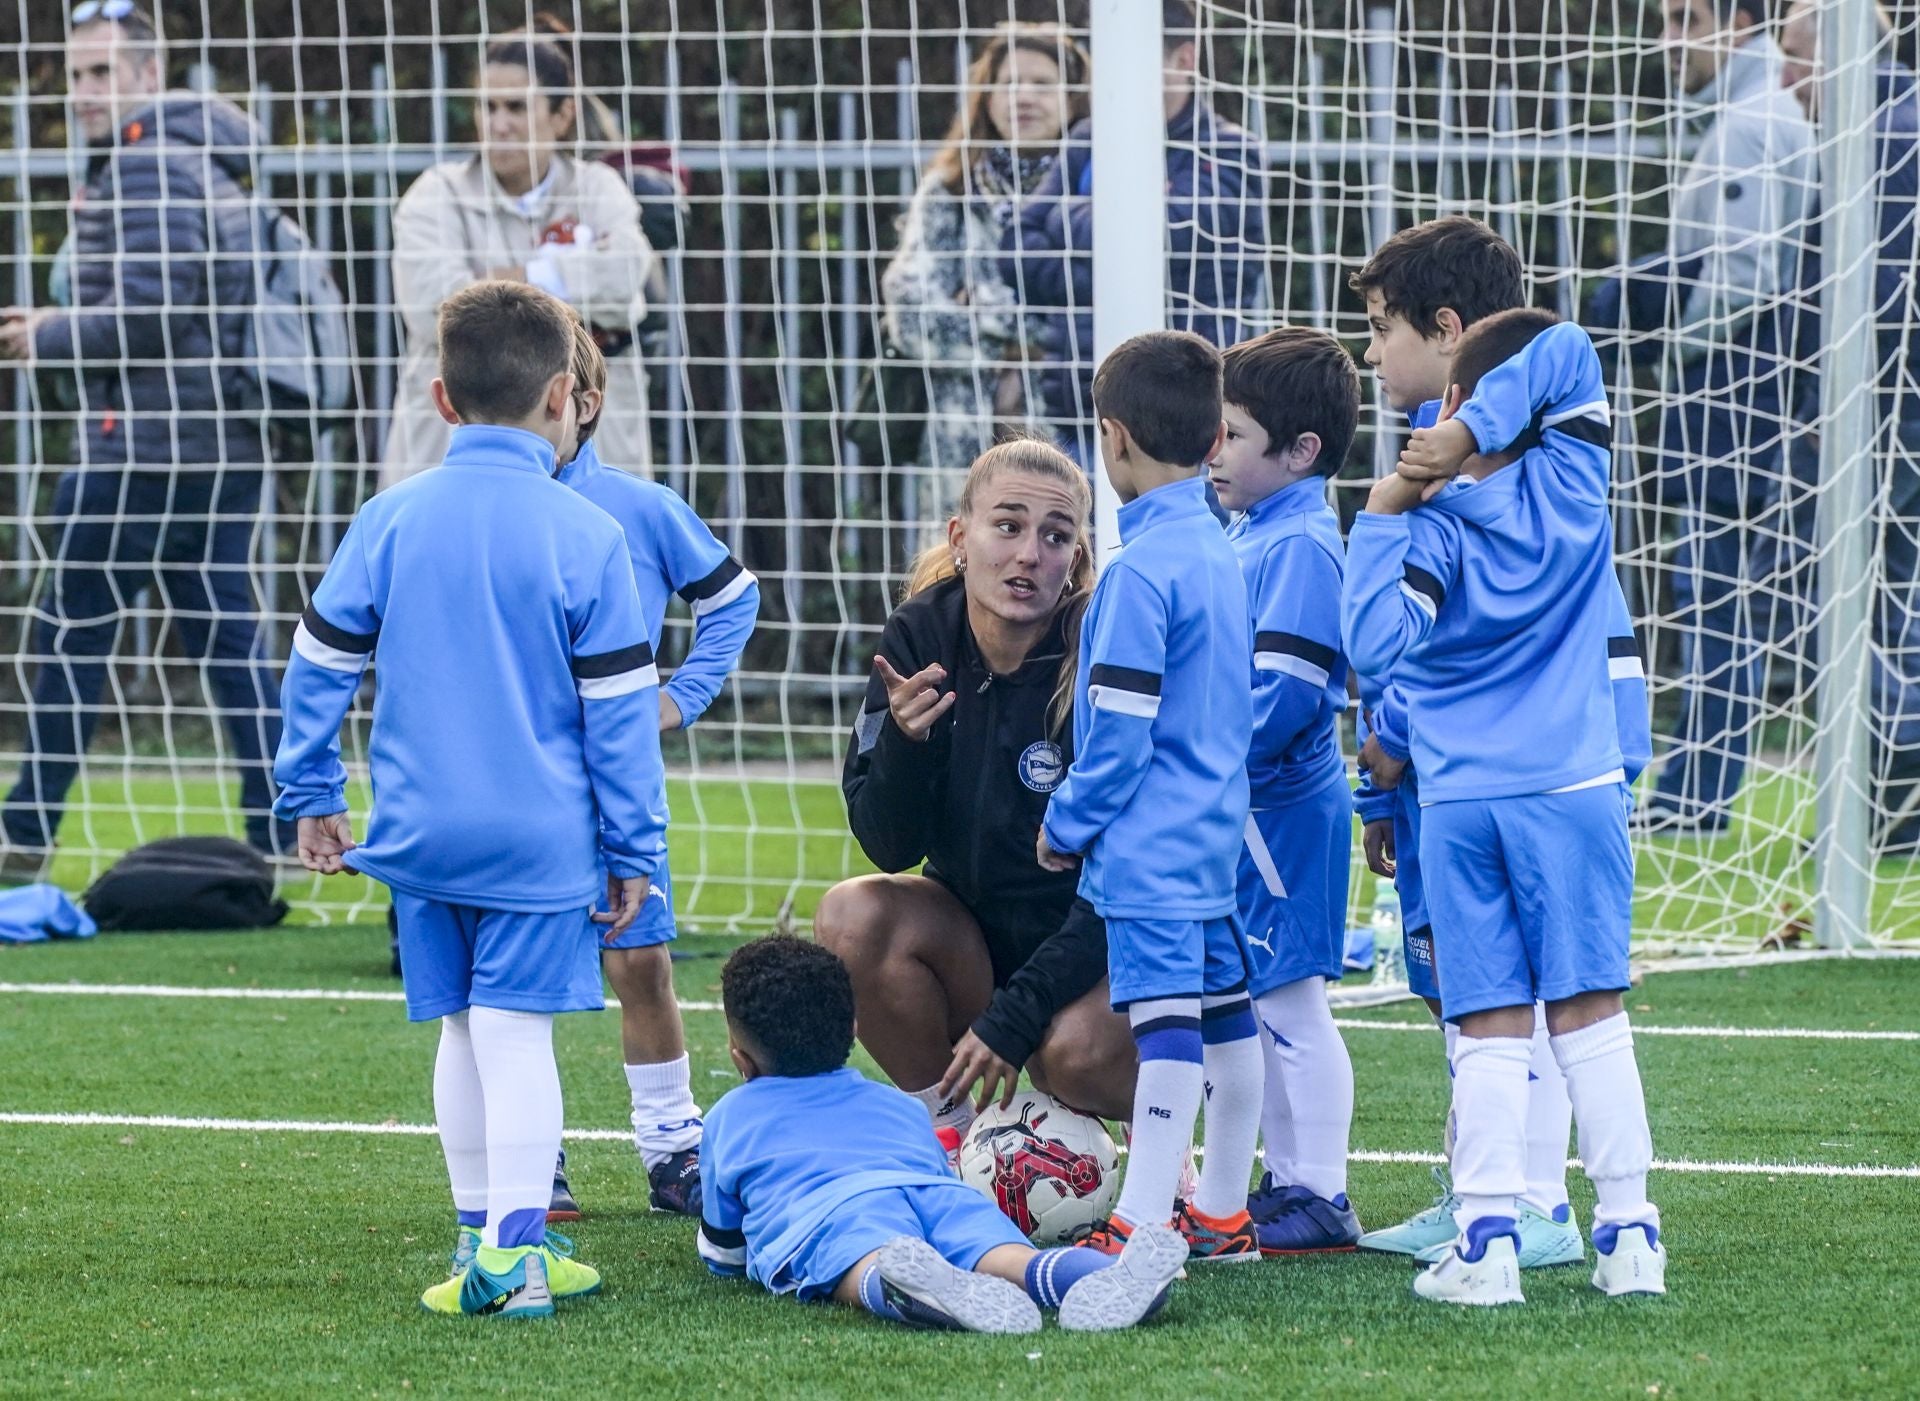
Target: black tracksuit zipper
983, 776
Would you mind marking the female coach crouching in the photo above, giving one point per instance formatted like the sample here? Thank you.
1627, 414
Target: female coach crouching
983, 963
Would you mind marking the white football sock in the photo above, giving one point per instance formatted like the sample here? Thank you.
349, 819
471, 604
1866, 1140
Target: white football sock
1603, 1080
945, 1113
514, 1053
1166, 1101
665, 1118
1490, 1103
1309, 1091
461, 1113
1233, 1073
1549, 1121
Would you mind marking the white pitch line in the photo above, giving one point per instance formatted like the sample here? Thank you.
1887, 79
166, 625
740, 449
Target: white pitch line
172, 1121
250, 994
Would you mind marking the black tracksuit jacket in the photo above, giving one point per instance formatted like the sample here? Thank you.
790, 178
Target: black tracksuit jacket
969, 802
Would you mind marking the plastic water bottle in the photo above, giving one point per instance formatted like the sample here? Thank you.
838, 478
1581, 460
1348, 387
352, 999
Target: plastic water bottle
1389, 955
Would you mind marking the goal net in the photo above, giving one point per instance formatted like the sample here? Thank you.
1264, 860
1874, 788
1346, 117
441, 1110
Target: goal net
814, 388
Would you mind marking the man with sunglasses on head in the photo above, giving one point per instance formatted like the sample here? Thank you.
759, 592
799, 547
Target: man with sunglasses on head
166, 484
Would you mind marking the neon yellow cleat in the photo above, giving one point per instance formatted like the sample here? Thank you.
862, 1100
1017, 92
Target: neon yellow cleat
520, 1282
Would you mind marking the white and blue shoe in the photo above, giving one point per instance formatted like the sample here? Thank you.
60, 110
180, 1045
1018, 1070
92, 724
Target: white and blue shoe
1481, 1268
929, 1292
1632, 1260
1545, 1241
1432, 1229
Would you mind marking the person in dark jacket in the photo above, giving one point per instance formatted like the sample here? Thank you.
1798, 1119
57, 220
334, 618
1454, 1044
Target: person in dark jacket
982, 963
1895, 676
1216, 231
167, 488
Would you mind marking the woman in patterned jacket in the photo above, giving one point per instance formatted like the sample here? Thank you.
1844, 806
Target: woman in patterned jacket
948, 306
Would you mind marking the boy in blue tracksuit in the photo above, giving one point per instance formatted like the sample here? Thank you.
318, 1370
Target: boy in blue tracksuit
672, 552
1423, 289
1155, 803
1291, 403
516, 755
1494, 614
822, 1184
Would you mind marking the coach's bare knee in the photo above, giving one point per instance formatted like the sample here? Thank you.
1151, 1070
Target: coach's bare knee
853, 920
1088, 1060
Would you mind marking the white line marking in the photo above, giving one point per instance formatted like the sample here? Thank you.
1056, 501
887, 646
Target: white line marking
1751, 1033
171, 1121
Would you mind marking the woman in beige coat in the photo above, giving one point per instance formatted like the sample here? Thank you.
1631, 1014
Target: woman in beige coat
520, 208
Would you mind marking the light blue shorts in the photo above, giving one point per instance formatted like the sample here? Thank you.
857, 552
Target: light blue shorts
455, 956
1149, 958
1532, 898
653, 925
1294, 869
959, 1222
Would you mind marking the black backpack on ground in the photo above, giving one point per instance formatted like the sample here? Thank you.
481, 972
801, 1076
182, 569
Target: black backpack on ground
186, 883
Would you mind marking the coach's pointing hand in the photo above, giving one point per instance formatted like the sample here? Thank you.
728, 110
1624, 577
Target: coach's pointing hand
913, 701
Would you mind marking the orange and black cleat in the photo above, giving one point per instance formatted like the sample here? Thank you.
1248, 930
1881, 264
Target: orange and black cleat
1217, 1240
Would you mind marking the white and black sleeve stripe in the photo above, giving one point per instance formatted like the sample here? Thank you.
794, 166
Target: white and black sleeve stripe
1426, 591
727, 582
1623, 659
1293, 655
608, 674
336, 649
1124, 690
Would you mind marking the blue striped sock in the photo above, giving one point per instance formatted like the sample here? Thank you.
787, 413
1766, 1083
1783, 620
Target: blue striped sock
873, 1295
1051, 1273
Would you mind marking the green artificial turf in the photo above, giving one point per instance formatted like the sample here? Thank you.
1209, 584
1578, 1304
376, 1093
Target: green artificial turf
189, 1261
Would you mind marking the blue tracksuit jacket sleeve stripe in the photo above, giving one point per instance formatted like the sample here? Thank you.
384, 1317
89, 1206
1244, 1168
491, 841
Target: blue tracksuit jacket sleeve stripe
619, 687
1399, 569
724, 598
332, 645
1296, 646
1127, 654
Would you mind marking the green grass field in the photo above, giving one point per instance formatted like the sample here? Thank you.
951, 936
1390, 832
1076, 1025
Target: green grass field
748, 851
223, 1261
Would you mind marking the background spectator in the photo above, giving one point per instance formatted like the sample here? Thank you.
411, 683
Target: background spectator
521, 208
949, 304
1720, 295
167, 490
1896, 616
1216, 229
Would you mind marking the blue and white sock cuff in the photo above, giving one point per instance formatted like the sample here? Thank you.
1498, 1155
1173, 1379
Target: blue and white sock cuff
1166, 1028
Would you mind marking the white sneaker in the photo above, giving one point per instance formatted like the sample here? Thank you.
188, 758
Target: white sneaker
1632, 1260
1130, 1290
932, 1293
1492, 1278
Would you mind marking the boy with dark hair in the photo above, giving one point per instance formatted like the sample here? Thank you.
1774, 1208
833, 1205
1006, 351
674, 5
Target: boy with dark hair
1155, 802
821, 1183
488, 581
1424, 288
1493, 610
1291, 404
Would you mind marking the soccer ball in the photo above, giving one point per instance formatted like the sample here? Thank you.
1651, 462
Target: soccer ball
1051, 1169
